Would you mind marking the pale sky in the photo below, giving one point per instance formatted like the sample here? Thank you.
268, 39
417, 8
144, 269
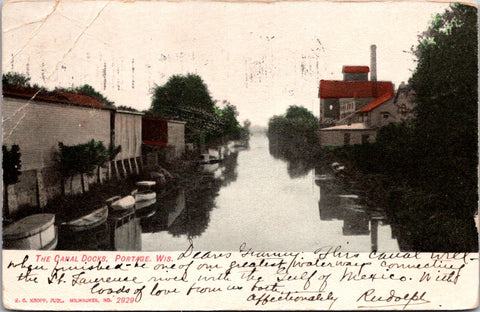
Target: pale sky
262, 57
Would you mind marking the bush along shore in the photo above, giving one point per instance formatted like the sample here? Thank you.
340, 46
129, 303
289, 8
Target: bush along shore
424, 219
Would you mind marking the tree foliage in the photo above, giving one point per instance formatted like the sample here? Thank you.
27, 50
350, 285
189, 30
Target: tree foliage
229, 124
15, 79
245, 131
182, 92
297, 123
89, 90
127, 108
446, 86
187, 98
292, 137
84, 158
430, 163
11, 164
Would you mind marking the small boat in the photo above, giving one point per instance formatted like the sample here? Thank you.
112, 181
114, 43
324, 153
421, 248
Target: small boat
145, 208
121, 204
208, 159
349, 196
145, 192
210, 167
323, 178
242, 144
144, 203
87, 222
35, 232
337, 167
146, 183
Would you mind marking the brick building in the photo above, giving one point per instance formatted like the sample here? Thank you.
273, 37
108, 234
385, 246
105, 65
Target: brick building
356, 107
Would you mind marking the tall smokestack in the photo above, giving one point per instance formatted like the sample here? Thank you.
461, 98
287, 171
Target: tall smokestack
373, 68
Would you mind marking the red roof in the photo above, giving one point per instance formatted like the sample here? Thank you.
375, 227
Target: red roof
356, 69
378, 101
336, 89
63, 97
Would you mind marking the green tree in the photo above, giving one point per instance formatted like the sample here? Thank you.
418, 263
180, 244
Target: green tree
299, 113
230, 125
187, 98
127, 108
445, 82
245, 131
90, 91
11, 165
292, 136
179, 94
15, 79
430, 163
84, 158
298, 122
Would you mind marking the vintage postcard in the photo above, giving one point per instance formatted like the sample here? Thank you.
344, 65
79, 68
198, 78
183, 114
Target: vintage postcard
239, 155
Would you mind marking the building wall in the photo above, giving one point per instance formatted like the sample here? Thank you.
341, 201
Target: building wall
128, 134
362, 102
347, 107
352, 118
329, 109
377, 117
355, 76
337, 137
405, 103
176, 136
37, 127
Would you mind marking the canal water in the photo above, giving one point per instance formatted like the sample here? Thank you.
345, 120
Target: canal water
268, 204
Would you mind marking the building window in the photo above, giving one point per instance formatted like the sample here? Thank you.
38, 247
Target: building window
363, 117
402, 109
365, 138
346, 138
385, 115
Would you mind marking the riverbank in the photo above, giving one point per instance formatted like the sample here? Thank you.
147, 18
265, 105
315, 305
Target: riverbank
421, 218
422, 221
170, 177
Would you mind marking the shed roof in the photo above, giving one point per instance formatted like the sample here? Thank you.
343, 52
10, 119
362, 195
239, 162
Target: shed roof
63, 97
378, 101
336, 89
122, 111
356, 69
353, 126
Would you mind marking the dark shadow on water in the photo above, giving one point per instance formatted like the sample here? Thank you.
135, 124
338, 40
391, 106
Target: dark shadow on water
188, 211
184, 212
293, 152
340, 203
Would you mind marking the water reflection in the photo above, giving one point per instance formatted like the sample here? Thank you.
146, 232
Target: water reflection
188, 212
290, 153
126, 234
249, 197
340, 203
